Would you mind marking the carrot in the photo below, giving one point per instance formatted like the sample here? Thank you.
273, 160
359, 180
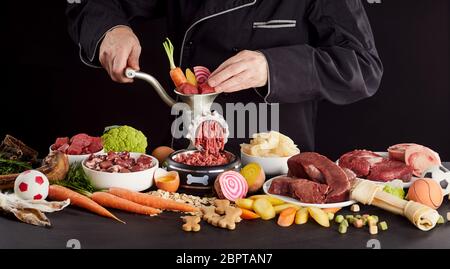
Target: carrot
109, 200
331, 210
153, 201
60, 193
287, 217
177, 77
176, 74
248, 214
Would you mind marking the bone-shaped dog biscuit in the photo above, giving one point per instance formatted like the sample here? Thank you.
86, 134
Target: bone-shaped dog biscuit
191, 223
210, 215
221, 205
231, 217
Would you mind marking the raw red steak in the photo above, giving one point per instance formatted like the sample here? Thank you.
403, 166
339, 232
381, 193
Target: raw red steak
389, 170
281, 186
314, 174
60, 141
74, 149
82, 140
303, 190
78, 144
308, 191
370, 165
96, 145
188, 88
350, 175
359, 161
332, 174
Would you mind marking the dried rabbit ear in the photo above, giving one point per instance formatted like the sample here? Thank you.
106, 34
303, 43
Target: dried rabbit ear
10, 201
50, 207
41, 205
31, 216
30, 212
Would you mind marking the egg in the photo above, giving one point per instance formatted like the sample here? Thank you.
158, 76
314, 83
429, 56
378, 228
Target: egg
161, 153
168, 182
426, 191
31, 185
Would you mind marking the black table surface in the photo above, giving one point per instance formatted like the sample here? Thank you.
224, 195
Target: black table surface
164, 231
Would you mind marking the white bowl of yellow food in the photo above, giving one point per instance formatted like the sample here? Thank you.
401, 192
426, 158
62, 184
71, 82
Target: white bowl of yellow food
271, 151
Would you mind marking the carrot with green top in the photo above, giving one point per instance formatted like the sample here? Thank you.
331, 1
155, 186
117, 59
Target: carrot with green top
176, 74
108, 200
60, 193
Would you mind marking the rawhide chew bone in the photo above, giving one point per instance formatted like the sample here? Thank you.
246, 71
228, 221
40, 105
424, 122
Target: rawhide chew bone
369, 193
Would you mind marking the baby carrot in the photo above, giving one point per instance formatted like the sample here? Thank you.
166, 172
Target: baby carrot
248, 214
287, 217
176, 74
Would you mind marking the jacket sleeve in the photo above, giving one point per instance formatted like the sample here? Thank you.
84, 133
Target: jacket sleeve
342, 67
90, 20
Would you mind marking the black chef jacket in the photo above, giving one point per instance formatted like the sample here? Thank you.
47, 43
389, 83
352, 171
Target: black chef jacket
316, 49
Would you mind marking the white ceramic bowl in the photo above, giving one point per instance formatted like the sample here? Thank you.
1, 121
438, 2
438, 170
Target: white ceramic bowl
134, 181
272, 166
77, 158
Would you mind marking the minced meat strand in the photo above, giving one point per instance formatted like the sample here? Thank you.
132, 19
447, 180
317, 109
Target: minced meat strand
210, 140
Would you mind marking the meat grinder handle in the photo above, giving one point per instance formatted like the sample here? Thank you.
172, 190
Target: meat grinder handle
130, 73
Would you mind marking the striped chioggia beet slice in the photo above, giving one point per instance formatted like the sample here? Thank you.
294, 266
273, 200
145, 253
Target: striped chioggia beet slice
232, 185
201, 74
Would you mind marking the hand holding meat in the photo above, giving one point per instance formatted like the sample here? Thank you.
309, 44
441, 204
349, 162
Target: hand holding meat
247, 69
120, 49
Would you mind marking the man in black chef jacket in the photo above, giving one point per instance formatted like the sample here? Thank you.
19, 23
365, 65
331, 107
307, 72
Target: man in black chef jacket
291, 52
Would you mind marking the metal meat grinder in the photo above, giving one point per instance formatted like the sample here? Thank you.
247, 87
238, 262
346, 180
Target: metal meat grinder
194, 179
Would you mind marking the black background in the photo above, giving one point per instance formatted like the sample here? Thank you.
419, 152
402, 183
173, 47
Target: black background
47, 92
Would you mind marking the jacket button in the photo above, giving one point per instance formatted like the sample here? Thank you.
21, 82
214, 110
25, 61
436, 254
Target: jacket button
188, 45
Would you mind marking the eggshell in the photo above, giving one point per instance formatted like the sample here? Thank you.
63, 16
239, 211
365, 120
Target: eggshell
426, 191
160, 172
31, 185
169, 182
161, 153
